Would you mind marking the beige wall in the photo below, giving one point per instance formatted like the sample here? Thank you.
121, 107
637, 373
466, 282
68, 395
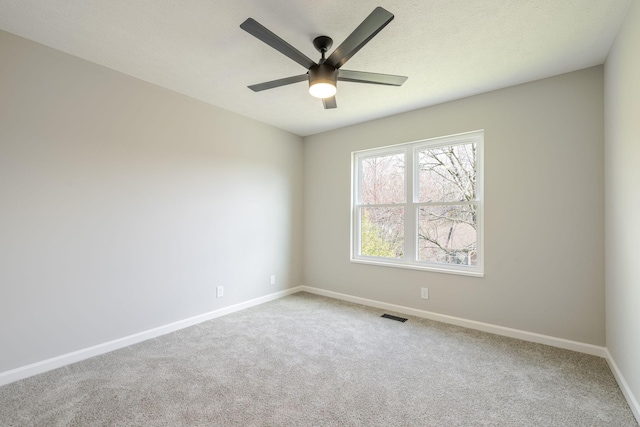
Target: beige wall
622, 177
544, 209
123, 205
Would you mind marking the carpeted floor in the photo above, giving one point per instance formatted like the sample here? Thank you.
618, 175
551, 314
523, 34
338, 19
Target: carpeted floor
306, 360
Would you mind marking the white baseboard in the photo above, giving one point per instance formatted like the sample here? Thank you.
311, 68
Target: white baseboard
471, 324
10, 376
624, 386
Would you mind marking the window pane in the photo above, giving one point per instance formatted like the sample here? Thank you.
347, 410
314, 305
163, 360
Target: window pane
382, 232
382, 180
447, 234
447, 174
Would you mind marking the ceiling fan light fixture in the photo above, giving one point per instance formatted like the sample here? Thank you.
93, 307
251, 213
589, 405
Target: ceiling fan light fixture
322, 81
322, 90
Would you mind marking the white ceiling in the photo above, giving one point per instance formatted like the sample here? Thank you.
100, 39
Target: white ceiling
448, 48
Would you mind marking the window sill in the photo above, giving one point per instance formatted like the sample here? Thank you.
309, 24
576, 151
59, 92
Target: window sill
418, 267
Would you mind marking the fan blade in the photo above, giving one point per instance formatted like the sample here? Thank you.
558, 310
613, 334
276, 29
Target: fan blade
329, 103
371, 26
373, 78
277, 83
257, 30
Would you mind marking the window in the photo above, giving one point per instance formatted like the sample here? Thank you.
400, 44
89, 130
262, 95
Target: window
419, 205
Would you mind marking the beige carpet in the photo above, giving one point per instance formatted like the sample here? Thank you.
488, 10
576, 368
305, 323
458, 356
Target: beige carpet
306, 360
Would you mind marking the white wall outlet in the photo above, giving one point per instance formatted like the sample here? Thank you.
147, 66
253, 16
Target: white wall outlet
273, 279
219, 291
424, 293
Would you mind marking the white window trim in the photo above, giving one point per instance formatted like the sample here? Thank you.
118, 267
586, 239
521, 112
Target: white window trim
410, 243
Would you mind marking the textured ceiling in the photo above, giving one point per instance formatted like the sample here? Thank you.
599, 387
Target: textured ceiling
448, 48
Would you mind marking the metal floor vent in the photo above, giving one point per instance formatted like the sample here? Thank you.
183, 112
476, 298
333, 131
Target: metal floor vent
389, 316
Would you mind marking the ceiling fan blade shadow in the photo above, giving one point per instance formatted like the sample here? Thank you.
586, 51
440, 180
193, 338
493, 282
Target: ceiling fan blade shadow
277, 83
372, 78
259, 31
329, 103
372, 25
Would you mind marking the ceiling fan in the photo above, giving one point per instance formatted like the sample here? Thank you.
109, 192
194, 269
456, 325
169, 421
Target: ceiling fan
324, 75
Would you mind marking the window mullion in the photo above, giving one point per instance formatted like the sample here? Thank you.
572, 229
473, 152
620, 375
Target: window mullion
462, 203
380, 205
410, 223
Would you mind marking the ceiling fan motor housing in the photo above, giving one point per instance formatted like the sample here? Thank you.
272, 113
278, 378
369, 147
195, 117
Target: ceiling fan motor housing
323, 73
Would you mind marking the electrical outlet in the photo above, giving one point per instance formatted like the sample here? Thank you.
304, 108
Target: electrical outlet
424, 293
219, 291
273, 279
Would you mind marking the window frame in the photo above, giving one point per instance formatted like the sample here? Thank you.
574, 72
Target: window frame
412, 204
